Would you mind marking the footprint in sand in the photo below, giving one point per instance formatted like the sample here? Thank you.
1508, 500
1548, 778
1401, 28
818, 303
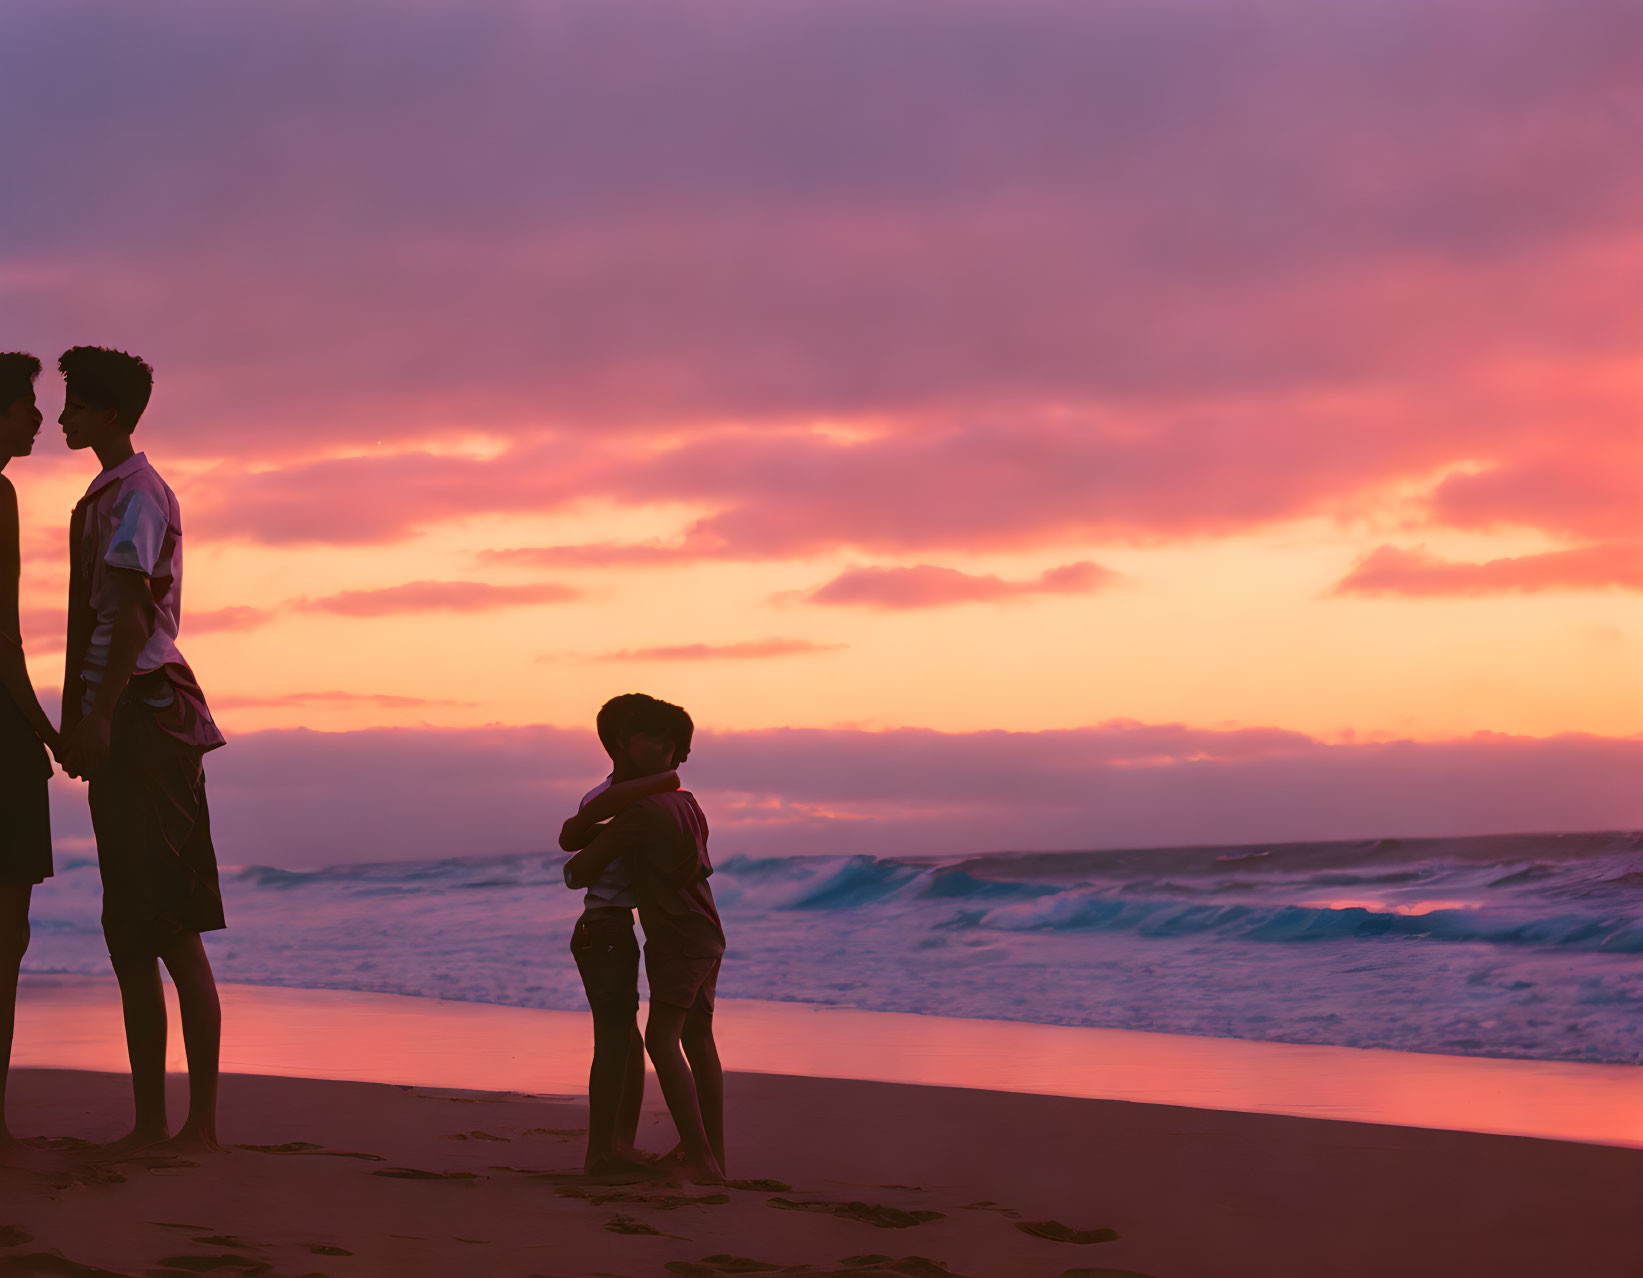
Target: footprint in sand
223, 1264
875, 1214
854, 1267
661, 1202
12, 1236
308, 1147
159, 1164
620, 1224
325, 1249
1055, 1231
413, 1173
51, 1264
59, 1144
563, 1133
1102, 1273
987, 1204
476, 1136
97, 1174
222, 1240
761, 1186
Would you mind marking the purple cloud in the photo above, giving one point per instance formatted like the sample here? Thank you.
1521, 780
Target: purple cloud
306, 798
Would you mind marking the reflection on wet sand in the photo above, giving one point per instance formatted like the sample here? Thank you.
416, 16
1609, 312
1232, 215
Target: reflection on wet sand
74, 1022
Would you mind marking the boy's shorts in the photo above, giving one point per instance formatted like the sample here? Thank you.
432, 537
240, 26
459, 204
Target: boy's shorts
25, 817
681, 981
153, 829
607, 956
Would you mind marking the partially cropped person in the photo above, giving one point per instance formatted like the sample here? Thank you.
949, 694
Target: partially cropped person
25, 731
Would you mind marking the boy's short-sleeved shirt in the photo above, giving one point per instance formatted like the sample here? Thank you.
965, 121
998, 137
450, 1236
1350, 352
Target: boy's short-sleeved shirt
133, 522
613, 890
663, 838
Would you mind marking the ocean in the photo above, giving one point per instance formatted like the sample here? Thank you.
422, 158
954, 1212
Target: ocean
1520, 946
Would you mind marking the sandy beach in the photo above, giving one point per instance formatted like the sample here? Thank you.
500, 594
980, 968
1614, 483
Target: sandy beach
831, 1174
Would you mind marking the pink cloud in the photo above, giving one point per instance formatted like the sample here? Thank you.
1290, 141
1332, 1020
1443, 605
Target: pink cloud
302, 797
1390, 571
1592, 493
602, 554
238, 617
754, 649
438, 596
927, 586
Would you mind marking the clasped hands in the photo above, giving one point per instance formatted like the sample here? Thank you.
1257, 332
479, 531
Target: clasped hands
82, 748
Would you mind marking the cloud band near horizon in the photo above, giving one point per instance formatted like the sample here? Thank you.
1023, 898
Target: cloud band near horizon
303, 798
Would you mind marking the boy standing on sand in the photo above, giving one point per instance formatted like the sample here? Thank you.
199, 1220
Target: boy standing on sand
136, 726
606, 953
663, 840
25, 732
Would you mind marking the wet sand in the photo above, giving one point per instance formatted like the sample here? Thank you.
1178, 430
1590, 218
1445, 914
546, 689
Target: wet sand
74, 1022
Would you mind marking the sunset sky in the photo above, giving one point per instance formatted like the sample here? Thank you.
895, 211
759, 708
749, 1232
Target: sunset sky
1000, 424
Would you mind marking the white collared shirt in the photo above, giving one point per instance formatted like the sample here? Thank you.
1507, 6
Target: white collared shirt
135, 515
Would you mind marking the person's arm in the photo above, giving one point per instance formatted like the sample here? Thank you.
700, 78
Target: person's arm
578, 830
86, 749
627, 834
14, 671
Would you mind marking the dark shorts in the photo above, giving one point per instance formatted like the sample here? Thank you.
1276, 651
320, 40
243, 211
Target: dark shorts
607, 956
681, 981
153, 829
25, 817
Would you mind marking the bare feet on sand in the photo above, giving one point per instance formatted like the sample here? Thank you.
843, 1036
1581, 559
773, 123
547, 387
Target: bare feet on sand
137, 1141
704, 1172
190, 1140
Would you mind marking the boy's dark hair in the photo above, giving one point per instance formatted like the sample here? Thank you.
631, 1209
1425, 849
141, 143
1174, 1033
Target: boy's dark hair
17, 373
109, 379
611, 723
620, 717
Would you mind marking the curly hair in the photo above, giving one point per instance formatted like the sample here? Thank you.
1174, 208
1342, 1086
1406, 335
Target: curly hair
109, 379
18, 369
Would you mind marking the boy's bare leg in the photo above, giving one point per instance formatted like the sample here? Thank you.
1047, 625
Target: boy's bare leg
679, 1089
607, 1080
201, 1013
14, 943
142, 1001
633, 1094
703, 1054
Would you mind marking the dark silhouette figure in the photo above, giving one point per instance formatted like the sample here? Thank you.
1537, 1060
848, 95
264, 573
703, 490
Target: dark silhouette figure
25, 731
136, 727
662, 840
606, 953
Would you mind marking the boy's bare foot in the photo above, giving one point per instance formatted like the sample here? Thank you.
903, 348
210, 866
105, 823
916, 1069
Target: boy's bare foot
704, 1173
623, 1165
190, 1140
134, 1141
